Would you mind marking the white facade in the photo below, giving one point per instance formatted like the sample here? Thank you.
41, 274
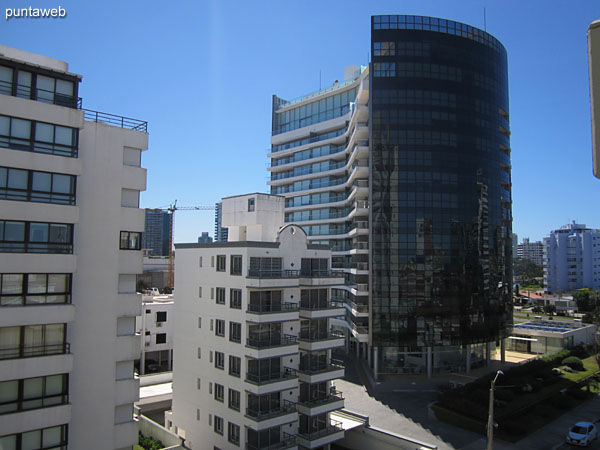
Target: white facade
322, 169
155, 326
572, 258
253, 343
70, 187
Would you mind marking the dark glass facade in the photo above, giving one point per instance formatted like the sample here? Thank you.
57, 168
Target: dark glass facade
440, 191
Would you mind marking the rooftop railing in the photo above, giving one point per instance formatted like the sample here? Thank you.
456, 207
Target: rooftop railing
114, 120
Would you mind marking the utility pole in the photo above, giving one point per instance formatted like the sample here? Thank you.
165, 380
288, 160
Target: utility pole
490, 424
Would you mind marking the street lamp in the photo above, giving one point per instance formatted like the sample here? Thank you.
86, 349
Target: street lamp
490, 424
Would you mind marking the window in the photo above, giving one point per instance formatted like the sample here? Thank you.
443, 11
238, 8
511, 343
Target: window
161, 316
198, 383
219, 392
218, 425
161, 338
265, 266
233, 433
220, 360
235, 366
200, 291
384, 49
220, 327
235, 298
234, 399
250, 204
236, 264
35, 237
131, 240
38, 137
54, 438
235, 332
199, 322
33, 340
33, 393
200, 262
221, 261
199, 353
34, 186
221, 295
314, 267
384, 69
21, 289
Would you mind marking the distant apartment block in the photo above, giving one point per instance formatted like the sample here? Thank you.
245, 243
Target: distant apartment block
515, 244
572, 258
594, 67
220, 231
155, 327
533, 251
70, 249
254, 341
156, 232
205, 238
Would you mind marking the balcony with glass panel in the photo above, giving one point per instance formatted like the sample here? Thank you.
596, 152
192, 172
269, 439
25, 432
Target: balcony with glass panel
270, 439
315, 435
269, 410
315, 303
315, 334
316, 367
269, 343
320, 401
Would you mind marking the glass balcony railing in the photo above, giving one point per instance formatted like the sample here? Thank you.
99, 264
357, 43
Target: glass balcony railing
271, 377
269, 308
286, 441
312, 434
32, 351
273, 410
253, 273
273, 340
315, 336
321, 398
316, 367
313, 305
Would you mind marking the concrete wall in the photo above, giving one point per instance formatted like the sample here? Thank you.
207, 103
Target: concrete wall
149, 428
372, 438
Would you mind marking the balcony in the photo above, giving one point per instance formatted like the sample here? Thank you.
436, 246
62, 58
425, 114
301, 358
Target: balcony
272, 312
115, 121
322, 403
276, 415
316, 373
321, 309
263, 383
35, 351
287, 441
269, 346
311, 341
41, 95
319, 438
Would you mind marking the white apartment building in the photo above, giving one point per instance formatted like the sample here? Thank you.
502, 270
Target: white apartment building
572, 258
322, 168
254, 339
155, 326
533, 251
70, 231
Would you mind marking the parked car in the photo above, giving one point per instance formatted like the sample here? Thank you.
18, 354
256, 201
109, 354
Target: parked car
582, 433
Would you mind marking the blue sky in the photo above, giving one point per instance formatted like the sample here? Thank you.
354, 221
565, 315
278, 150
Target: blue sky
202, 74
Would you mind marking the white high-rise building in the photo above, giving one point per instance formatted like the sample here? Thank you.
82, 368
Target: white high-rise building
70, 244
572, 258
253, 342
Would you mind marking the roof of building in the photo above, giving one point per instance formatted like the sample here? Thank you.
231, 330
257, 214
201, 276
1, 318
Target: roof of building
241, 244
550, 326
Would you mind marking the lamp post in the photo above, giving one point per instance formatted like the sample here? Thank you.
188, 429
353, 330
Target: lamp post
490, 424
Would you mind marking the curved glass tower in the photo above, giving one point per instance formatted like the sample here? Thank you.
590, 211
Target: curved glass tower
440, 195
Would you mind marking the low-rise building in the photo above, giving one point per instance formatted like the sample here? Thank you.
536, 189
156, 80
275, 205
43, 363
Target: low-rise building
549, 336
155, 326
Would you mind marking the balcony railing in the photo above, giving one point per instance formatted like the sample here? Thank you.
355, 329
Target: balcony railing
359, 307
286, 407
321, 274
320, 305
41, 95
271, 377
311, 336
40, 350
334, 427
35, 247
322, 399
287, 441
270, 341
313, 369
272, 308
273, 273
117, 121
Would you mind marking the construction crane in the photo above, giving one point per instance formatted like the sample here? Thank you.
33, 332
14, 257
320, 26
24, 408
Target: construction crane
171, 210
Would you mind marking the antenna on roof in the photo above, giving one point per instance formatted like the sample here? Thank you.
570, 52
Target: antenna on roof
484, 20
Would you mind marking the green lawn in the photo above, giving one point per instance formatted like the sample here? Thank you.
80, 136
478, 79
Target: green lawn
590, 367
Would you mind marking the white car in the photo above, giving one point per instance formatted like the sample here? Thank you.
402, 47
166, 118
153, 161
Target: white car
582, 433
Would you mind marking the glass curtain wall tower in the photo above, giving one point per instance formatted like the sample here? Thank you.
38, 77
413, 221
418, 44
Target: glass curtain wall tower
410, 185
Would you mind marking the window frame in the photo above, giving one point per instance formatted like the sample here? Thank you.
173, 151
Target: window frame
29, 194
218, 424
233, 335
219, 360
236, 265
221, 265
235, 301
235, 362
25, 295
27, 245
219, 392
220, 327
220, 295
125, 240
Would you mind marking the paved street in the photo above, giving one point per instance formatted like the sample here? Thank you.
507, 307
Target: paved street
405, 411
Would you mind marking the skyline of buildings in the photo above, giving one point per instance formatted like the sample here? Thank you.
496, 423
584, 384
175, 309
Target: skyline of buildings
533, 251
71, 249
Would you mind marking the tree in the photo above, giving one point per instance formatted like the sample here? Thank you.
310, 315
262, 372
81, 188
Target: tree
550, 309
527, 270
588, 300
